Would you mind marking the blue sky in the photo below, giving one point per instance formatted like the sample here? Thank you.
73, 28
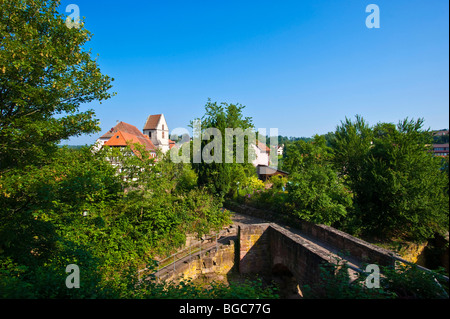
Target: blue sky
299, 66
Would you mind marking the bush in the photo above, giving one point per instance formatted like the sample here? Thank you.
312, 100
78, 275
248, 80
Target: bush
335, 283
404, 282
60, 214
400, 188
410, 282
278, 183
316, 195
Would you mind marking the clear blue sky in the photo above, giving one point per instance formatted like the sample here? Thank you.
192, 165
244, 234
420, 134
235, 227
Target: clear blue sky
301, 66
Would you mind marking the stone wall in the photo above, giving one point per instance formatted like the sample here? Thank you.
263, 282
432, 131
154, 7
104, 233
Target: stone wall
216, 261
271, 249
345, 243
302, 260
254, 249
267, 247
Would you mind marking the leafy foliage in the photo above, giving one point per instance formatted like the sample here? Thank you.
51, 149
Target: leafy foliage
399, 187
45, 75
405, 282
187, 289
313, 190
222, 178
335, 283
316, 193
58, 214
61, 206
410, 282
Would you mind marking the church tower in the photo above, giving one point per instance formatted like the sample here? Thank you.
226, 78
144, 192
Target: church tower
157, 130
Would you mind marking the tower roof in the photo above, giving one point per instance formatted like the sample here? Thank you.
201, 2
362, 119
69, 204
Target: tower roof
152, 122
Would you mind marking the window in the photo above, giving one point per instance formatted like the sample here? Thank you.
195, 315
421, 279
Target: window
150, 134
163, 131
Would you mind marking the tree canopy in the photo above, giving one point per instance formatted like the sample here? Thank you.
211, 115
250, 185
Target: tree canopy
399, 187
315, 190
222, 176
46, 74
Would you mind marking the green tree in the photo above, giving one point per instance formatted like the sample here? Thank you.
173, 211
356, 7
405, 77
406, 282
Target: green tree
161, 199
316, 193
351, 145
45, 75
222, 178
59, 214
49, 218
399, 187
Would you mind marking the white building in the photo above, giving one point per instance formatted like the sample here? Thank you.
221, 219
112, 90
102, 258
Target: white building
280, 150
155, 134
262, 154
120, 127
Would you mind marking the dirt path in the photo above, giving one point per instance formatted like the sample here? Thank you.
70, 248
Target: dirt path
240, 219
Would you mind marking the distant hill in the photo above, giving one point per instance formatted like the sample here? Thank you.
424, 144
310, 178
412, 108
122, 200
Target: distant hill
75, 147
440, 136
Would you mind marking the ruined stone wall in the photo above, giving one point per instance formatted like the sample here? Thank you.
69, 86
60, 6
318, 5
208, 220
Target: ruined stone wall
302, 260
254, 249
347, 244
213, 262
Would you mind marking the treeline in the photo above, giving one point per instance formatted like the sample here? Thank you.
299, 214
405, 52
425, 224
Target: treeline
440, 139
379, 181
284, 140
72, 147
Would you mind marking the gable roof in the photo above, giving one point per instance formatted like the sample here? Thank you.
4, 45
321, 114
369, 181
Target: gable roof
121, 138
124, 127
152, 122
263, 147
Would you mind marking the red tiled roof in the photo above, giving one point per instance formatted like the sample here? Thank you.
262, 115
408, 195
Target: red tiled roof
124, 127
263, 147
121, 138
152, 122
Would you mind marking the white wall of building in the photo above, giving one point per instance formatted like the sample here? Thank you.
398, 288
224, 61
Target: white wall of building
262, 158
